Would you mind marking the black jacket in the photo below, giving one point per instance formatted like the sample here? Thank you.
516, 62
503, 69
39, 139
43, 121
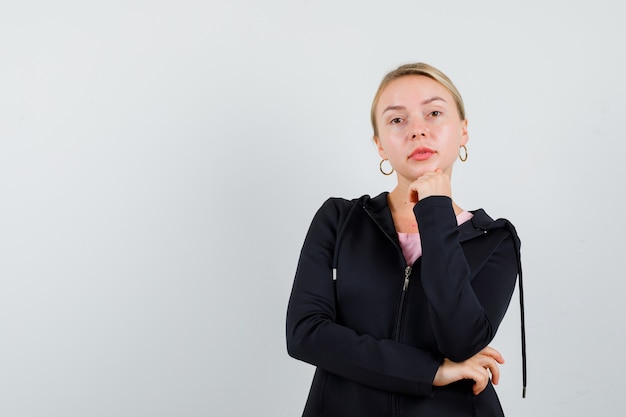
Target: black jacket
377, 329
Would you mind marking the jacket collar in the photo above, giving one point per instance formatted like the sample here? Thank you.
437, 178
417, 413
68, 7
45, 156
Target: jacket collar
378, 210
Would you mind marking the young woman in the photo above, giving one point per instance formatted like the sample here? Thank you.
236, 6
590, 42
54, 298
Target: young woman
397, 297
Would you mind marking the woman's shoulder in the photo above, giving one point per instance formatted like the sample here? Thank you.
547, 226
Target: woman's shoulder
342, 203
484, 222
336, 210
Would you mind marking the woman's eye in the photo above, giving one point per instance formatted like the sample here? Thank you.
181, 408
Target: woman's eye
435, 113
396, 120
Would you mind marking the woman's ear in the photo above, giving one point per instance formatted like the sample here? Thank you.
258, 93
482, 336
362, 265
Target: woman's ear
464, 133
379, 146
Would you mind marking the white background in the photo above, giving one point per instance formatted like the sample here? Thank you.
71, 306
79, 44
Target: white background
160, 162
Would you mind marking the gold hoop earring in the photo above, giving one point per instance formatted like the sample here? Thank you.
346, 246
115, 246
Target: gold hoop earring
463, 157
380, 166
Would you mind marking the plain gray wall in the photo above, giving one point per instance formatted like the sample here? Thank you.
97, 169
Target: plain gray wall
160, 162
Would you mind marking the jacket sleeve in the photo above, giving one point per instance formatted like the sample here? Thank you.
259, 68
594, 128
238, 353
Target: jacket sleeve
314, 336
466, 306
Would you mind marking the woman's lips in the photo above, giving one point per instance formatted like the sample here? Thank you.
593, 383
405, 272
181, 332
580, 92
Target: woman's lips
421, 154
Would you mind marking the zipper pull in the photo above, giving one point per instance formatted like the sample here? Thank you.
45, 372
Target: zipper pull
407, 274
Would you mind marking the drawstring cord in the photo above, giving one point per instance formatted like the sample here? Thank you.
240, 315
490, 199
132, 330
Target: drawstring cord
523, 325
516, 243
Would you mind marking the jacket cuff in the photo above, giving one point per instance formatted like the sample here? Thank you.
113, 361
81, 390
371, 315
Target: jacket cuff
433, 202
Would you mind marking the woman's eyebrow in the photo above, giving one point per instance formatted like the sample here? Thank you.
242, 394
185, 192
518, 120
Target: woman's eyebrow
435, 98
427, 101
393, 108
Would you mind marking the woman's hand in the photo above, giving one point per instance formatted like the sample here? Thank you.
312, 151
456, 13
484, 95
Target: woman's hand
479, 368
431, 183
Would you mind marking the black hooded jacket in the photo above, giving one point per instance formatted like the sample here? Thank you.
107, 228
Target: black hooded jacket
378, 329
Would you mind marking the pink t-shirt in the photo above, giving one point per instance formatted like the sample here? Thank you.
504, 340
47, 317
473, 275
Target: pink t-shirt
412, 245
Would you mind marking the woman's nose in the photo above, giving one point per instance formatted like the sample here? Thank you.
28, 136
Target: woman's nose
418, 129
418, 132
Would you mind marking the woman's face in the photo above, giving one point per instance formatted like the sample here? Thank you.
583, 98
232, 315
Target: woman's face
419, 127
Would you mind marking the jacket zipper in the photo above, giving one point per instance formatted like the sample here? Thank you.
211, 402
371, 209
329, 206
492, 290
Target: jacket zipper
405, 286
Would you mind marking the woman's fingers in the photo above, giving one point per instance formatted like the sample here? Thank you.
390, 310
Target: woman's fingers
489, 351
477, 373
495, 373
480, 368
431, 183
481, 381
491, 365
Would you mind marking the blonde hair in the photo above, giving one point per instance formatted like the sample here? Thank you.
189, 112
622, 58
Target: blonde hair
418, 68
